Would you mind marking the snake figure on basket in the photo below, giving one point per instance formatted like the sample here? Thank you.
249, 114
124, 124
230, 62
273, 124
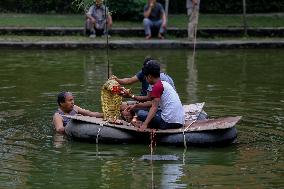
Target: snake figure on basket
111, 98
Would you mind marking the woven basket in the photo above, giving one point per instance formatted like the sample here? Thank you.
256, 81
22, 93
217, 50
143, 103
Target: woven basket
110, 102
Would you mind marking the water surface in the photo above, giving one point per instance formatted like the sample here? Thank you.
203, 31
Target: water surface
231, 82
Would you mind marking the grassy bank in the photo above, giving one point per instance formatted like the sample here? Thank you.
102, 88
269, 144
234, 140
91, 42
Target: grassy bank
15, 38
180, 21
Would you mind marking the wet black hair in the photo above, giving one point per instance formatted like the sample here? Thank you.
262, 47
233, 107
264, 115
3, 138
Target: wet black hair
61, 97
152, 68
147, 59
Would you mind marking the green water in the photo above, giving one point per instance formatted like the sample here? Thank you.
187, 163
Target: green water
231, 82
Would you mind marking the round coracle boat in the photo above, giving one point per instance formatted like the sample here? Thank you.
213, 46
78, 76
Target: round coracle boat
206, 132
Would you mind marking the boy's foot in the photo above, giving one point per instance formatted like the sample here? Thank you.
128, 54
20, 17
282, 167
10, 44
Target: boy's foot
160, 36
92, 36
148, 37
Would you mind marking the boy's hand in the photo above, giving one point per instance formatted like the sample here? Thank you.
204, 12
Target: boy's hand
143, 127
126, 95
130, 108
113, 77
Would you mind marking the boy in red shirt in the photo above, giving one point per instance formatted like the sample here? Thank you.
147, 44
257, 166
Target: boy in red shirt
163, 95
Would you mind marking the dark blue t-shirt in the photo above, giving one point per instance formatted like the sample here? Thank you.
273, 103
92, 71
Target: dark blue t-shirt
144, 83
145, 87
156, 12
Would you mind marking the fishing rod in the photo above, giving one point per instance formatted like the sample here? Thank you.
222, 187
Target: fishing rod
107, 39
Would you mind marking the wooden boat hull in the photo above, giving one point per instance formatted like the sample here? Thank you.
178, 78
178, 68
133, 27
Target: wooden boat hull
209, 132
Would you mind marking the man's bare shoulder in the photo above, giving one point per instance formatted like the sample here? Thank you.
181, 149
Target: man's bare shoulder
57, 115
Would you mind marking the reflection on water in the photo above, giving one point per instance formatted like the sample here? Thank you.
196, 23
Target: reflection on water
59, 140
238, 82
192, 79
172, 173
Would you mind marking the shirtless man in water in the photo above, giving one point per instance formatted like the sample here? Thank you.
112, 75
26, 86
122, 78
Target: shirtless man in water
66, 105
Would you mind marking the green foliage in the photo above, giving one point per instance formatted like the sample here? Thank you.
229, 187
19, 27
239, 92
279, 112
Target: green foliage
127, 9
82, 4
35, 6
133, 9
229, 6
233, 6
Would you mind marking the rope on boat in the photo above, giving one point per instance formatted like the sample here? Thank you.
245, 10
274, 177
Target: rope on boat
183, 156
183, 132
98, 134
97, 139
153, 140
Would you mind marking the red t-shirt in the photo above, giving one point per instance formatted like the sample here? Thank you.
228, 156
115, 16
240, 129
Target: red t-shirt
170, 104
157, 90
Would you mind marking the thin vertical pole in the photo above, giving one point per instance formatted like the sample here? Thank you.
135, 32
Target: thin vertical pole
107, 40
167, 8
195, 28
244, 17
